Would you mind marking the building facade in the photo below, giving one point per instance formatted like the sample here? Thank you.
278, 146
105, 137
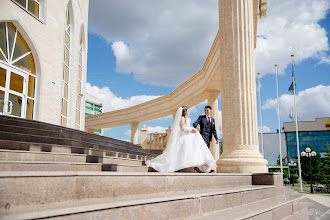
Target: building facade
311, 133
93, 106
43, 60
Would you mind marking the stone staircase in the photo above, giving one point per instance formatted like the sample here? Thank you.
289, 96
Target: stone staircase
48, 171
38, 146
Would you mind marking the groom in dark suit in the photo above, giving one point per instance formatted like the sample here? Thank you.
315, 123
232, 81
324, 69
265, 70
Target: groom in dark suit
206, 126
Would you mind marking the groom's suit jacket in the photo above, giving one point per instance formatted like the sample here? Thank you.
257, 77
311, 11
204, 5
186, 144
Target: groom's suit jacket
207, 128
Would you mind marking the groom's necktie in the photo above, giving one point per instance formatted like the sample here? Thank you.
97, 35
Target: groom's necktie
209, 119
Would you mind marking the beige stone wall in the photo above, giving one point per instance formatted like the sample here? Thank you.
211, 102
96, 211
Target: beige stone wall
318, 125
45, 37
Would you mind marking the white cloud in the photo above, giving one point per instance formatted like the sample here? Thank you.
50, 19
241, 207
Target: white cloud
161, 42
265, 129
166, 42
112, 102
291, 27
311, 103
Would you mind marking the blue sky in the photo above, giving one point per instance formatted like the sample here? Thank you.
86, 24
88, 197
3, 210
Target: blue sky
140, 52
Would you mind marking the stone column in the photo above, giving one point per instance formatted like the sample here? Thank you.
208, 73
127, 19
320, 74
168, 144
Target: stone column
134, 132
239, 109
143, 136
168, 133
213, 102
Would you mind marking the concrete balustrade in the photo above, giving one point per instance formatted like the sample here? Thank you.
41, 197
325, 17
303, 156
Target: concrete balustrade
154, 141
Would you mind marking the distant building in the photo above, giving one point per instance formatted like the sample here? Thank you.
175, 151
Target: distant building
93, 106
314, 133
271, 147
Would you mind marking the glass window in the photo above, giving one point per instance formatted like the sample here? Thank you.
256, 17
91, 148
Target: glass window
2, 77
31, 87
313, 138
320, 133
16, 104
2, 98
21, 47
17, 53
29, 109
89, 104
33, 7
89, 111
3, 41
11, 35
30, 5
63, 121
16, 82
66, 69
320, 138
304, 138
64, 107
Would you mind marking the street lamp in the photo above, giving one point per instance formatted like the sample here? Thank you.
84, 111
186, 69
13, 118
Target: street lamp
307, 153
291, 164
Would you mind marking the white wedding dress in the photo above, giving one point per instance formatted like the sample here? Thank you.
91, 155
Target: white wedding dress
184, 149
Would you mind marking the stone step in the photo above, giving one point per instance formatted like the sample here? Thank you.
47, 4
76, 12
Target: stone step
271, 208
61, 135
26, 123
24, 188
21, 139
49, 166
62, 166
171, 205
124, 168
35, 156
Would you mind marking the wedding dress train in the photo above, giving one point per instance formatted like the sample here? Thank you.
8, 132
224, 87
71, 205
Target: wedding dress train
184, 149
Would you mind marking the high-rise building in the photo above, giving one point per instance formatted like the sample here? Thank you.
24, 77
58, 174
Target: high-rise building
93, 106
43, 60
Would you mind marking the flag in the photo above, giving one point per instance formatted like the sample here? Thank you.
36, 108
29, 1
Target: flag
291, 88
294, 77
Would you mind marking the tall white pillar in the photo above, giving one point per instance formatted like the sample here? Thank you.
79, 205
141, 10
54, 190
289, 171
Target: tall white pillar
213, 102
239, 109
134, 132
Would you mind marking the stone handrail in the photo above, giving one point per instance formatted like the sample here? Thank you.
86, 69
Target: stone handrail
195, 90
154, 141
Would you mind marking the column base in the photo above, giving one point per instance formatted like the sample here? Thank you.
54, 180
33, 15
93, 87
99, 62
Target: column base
242, 161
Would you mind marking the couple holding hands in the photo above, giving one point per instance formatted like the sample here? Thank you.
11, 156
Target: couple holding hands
188, 146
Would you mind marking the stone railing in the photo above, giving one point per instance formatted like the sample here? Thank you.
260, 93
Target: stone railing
154, 141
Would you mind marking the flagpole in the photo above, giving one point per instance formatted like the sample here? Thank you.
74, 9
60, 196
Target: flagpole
279, 120
296, 120
261, 134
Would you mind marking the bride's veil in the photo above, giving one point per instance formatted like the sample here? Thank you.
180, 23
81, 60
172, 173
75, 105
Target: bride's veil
171, 142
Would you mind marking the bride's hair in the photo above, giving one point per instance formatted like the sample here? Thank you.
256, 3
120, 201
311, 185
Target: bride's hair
184, 110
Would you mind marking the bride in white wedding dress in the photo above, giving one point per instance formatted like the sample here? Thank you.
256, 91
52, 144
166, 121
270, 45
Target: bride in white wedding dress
185, 148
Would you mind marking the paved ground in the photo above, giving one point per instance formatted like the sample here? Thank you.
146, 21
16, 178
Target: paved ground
323, 199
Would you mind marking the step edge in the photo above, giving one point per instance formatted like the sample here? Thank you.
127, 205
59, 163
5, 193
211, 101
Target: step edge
114, 204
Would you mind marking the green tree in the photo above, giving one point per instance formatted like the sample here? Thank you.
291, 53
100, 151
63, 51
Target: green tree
316, 167
326, 166
284, 161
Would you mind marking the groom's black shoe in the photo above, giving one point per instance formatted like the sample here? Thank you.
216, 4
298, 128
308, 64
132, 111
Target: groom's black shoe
197, 170
212, 171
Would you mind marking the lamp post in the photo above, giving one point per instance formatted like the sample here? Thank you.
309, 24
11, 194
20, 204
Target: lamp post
307, 153
291, 164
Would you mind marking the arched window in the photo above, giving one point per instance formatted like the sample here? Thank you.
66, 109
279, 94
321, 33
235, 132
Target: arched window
66, 70
17, 73
79, 95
